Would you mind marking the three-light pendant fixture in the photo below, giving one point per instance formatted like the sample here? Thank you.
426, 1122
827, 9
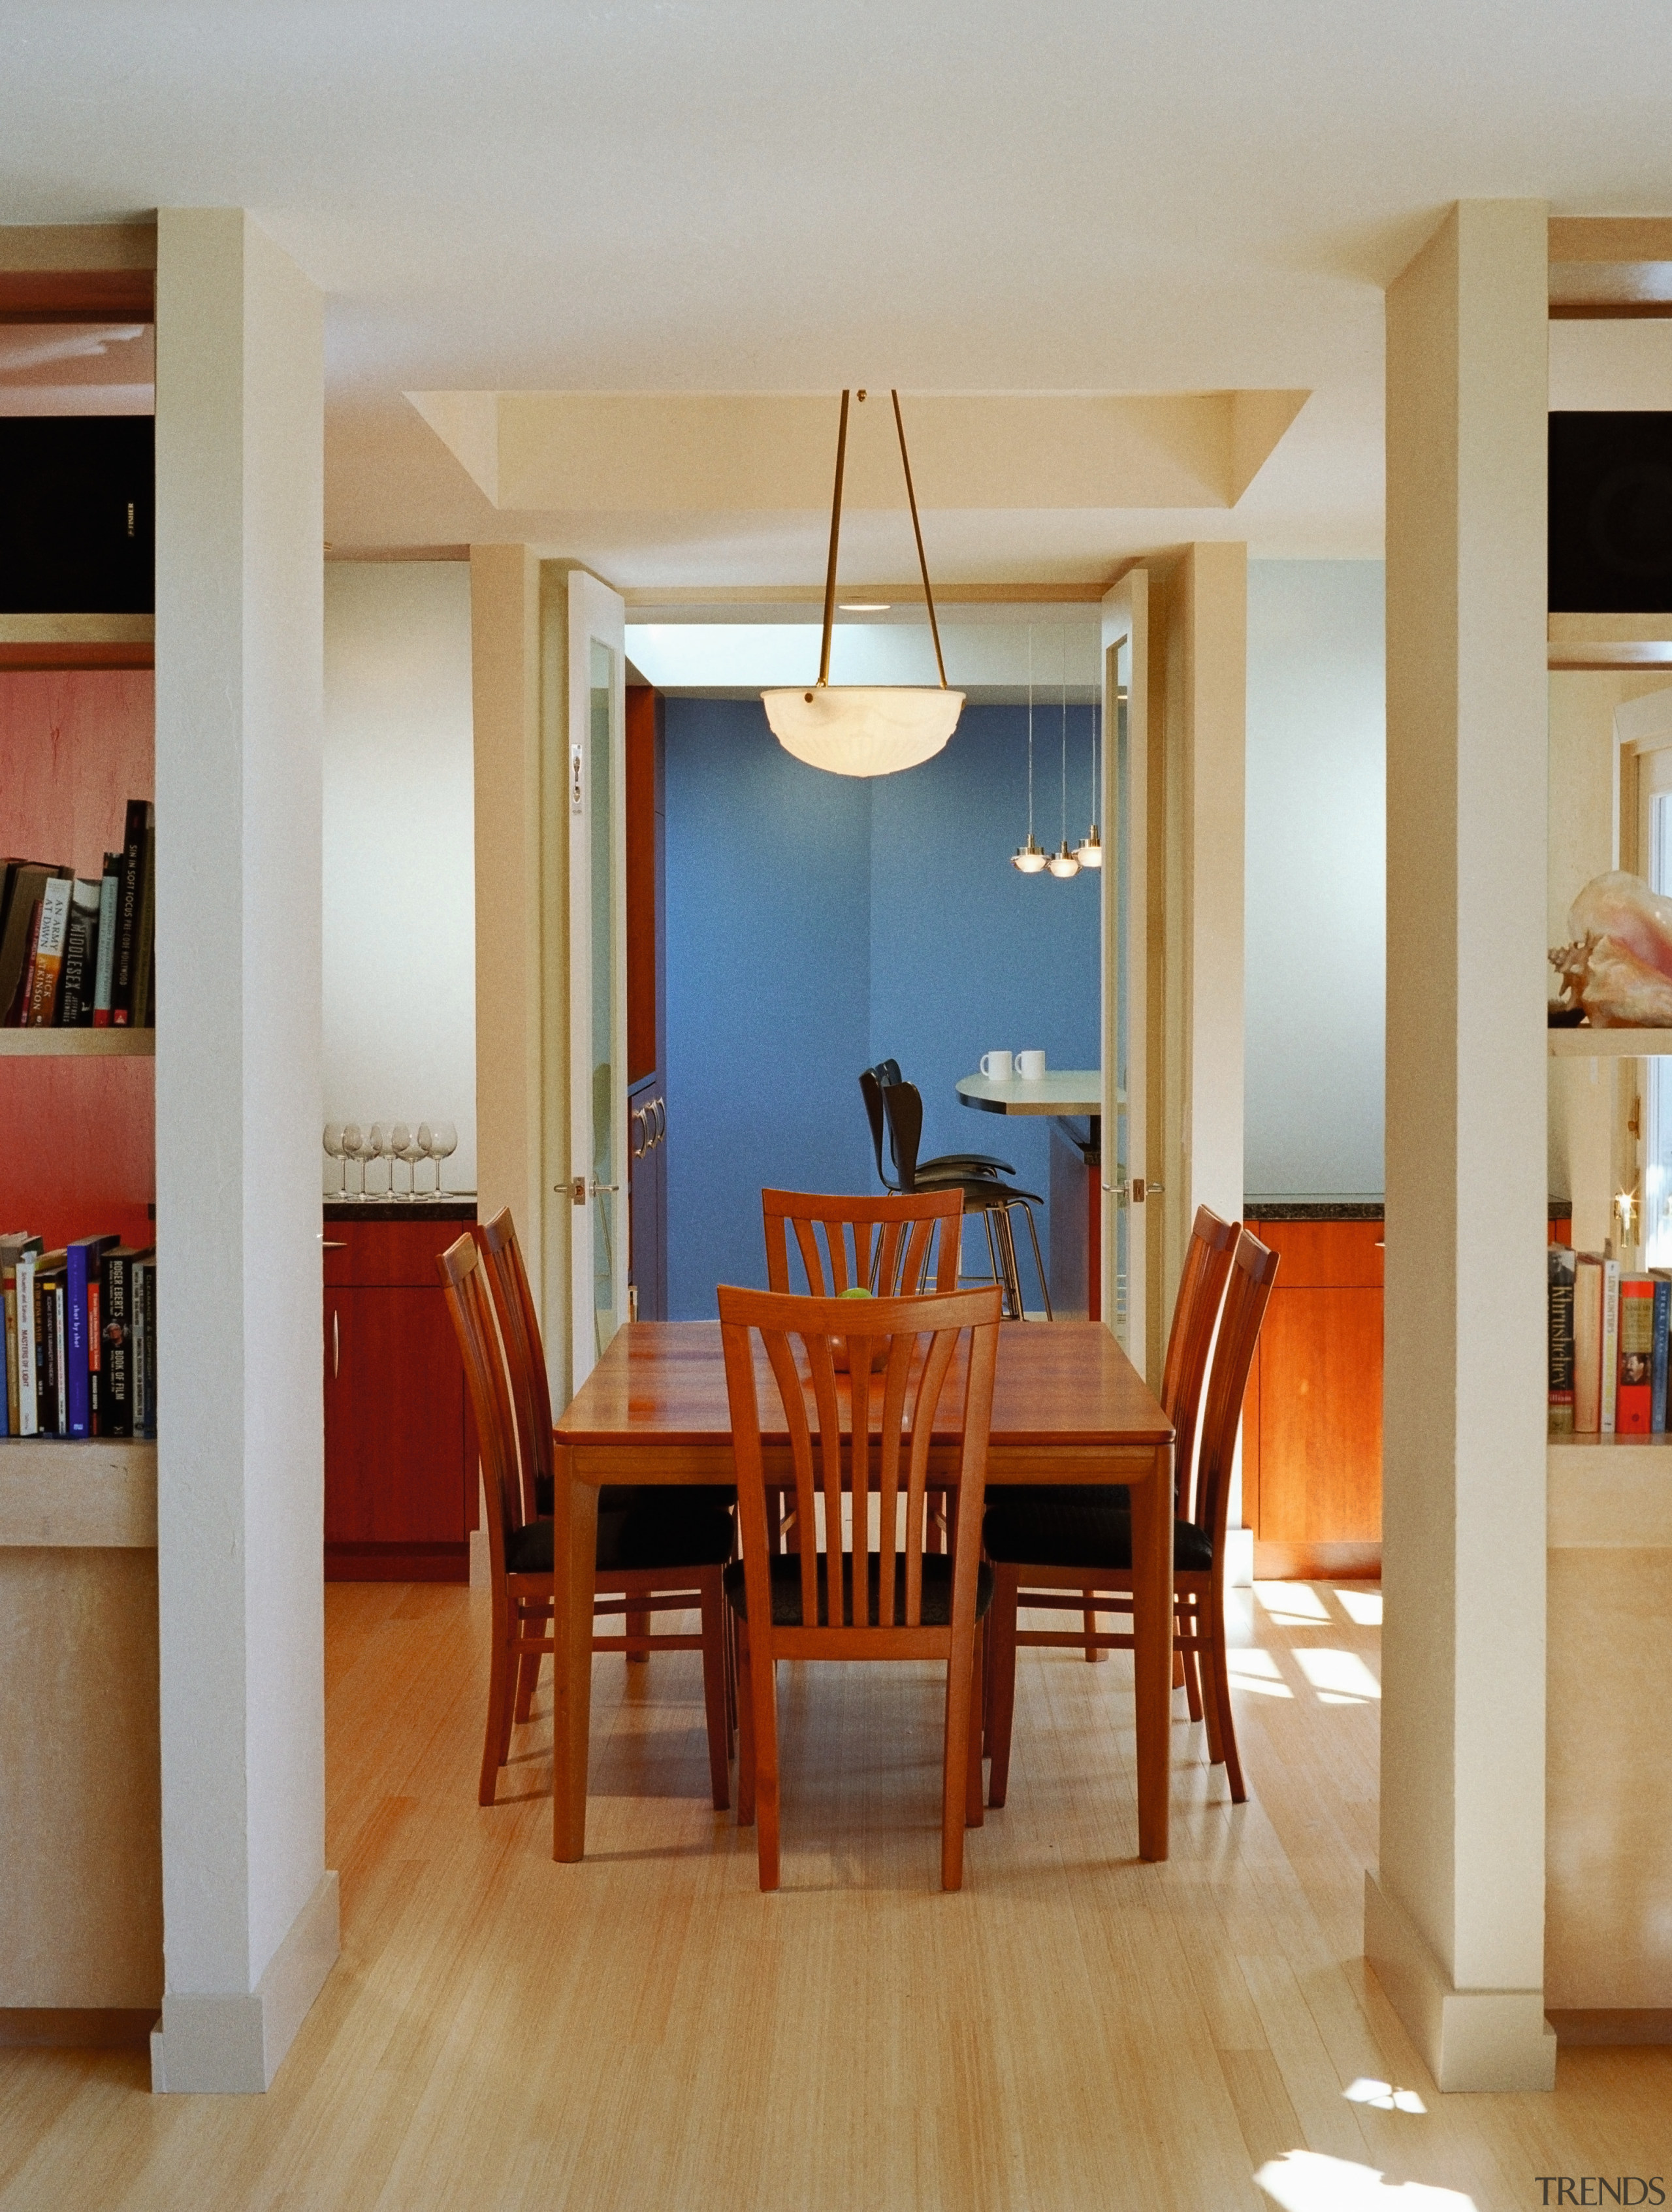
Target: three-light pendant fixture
1032, 858
865, 729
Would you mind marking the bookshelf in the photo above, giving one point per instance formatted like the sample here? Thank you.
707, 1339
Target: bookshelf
58, 1495
1610, 1044
78, 1044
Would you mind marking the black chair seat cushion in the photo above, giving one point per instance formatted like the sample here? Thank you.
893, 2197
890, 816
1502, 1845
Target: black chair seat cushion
1032, 1533
668, 1530
786, 1589
1114, 1497
615, 1497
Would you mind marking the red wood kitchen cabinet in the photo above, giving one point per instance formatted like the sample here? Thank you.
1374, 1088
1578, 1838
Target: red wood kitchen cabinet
400, 1451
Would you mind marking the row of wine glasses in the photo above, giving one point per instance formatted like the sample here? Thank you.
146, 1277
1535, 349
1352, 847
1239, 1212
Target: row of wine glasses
411, 1142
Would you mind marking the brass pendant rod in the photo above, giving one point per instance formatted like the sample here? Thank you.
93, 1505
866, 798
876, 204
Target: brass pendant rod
917, 531
836, 531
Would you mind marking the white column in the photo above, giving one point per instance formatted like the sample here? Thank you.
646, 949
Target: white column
249, 1909
1455, 1914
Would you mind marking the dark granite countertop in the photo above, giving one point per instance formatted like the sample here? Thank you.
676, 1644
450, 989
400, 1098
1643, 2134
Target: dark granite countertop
450, 1206
1348, 1209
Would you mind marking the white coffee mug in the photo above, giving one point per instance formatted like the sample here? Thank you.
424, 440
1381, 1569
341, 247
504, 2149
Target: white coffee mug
996, 1065
1030, 1065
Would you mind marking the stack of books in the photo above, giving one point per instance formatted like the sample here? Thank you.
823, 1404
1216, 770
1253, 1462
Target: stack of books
80, 1342
1608, 1346
76, 953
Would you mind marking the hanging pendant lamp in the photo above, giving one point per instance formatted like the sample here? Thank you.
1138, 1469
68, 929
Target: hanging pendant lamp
1064, 863
865, 729
1089, 850
1030, 858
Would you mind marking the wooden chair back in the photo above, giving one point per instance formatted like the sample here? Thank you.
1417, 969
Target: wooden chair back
899, 1370
880, 1244
1200, 1287
525, 1355
1253, 1272
464, 1281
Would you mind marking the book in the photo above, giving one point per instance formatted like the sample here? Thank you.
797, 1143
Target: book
1588, 1343
1561, 1264
135, 838
144, 981
28, 1368
49, 1370
115, 1394
1610, 1344
109, 886
1635, 1397
60, 1350
29, 878
47, 959
13, 1248
82, 1257
81, 954
141, 1357
1657, 1369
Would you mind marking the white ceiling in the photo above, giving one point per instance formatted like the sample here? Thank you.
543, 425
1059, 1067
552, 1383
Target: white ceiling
734, 196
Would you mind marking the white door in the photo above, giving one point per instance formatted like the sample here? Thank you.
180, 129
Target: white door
597, 702
1125, 998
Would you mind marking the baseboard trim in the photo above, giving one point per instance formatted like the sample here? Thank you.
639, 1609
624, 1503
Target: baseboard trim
233, 2045
58, 2028
1612, 2026
1469, 2039
398, 1563
1317, 1563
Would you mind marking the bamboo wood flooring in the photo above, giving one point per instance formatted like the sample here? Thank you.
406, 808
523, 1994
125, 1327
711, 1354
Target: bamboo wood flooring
1076, 2031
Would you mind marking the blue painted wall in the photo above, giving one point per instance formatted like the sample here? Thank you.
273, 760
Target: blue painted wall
816, 923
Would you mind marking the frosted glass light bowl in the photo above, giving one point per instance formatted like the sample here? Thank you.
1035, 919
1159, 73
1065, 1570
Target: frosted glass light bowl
863, 729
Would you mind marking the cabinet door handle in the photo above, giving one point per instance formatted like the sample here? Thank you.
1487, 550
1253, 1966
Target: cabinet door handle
334, 1243
336, 1345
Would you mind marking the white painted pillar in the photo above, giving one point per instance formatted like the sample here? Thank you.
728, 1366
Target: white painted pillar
1454, 1921
249, 1909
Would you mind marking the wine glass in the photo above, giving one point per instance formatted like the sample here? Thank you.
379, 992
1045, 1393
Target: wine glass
443, 1141
354, 1148
422, 1139
377, 1148
333, 1144
404, 1138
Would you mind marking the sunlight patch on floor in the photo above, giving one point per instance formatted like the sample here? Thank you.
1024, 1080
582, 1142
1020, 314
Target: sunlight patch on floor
1297, 1605
1258, 1671
1311, 2181
1384, 2096
1336, 1674
1362, 1606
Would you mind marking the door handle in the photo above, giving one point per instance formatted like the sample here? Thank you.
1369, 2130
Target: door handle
336, 1345
334, 1243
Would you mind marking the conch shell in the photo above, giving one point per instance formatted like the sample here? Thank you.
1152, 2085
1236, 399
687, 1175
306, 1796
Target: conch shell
1618, 966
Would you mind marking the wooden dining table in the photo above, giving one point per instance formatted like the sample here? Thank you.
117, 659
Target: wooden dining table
1068, 1407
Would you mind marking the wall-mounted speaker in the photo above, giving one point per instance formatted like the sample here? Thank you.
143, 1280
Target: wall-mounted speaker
77, 514
1610, 513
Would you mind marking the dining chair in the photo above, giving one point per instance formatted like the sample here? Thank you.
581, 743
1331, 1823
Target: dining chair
995, 1202
882, 1244
873, 1081
1195, 1308
1049, 1553
659, 1551
846, 1600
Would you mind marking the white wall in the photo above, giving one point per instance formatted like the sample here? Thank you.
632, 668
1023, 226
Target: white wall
399, 1038
1317, 878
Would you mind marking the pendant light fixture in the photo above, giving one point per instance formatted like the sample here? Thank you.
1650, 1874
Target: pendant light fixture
1029, 858
1064, 863
865, 729
1089, 852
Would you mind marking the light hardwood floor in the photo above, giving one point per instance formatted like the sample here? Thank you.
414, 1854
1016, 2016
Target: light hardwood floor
1074, 2033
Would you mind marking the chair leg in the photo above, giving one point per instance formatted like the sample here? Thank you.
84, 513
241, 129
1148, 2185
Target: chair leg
1001, 1630
975, 1813
1045, 1288
1012, 1281
714, 1689
954, 1776
745, 1728
762, 1676
1189, 1672
1089, 1619
535, 1621
1218, 1698
638, 1624
501, 1678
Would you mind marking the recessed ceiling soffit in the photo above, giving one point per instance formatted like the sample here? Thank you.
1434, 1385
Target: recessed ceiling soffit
627, 453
